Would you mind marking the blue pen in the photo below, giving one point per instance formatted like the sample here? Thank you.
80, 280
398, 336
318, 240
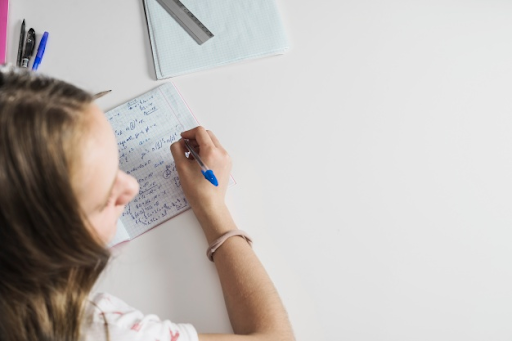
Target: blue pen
207, 173
40, 51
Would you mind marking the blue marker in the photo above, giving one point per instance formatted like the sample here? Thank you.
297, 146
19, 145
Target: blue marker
207, 173
40, 51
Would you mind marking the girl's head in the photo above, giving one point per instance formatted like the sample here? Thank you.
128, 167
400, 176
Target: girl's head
61, 193
100, 187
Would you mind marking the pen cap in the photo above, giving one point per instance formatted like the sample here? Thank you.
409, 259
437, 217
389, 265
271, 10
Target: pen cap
208, 175
42, 45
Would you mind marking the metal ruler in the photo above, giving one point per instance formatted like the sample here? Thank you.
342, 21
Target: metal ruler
187, 20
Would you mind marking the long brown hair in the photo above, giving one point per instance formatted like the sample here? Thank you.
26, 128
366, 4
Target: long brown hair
49, 256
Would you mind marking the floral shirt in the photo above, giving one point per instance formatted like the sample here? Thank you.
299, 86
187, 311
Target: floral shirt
128, 324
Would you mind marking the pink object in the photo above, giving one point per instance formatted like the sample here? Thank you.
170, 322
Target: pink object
136, 327
4, 11
174, 337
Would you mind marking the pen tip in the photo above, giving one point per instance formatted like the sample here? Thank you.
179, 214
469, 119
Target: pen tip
101, 94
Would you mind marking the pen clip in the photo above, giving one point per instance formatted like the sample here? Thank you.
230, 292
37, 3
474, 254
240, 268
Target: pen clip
195, 155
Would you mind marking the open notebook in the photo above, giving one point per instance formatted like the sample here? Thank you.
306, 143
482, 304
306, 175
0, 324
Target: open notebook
145, 127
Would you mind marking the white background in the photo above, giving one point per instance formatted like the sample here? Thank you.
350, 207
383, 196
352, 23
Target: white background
373, 163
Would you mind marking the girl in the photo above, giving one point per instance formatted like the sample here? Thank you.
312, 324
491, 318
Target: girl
61, 193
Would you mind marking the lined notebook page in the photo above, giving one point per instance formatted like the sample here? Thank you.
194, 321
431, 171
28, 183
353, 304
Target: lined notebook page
145, 127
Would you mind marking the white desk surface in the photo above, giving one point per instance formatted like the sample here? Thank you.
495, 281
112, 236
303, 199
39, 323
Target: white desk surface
373, 161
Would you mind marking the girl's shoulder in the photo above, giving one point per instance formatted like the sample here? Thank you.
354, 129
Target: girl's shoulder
105, 311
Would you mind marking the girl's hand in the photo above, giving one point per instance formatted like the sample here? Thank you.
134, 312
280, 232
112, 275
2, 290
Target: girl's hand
202, 195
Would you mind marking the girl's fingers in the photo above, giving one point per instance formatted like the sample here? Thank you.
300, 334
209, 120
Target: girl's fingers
200, 135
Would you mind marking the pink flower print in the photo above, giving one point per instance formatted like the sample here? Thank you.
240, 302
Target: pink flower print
136, 327
174, 337
106, 298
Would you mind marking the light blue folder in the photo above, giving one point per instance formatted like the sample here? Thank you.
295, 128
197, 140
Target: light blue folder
243, 29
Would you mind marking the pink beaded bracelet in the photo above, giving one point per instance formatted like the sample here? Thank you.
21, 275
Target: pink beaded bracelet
217, 243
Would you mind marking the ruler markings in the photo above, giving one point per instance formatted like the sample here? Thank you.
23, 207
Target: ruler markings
188, 21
